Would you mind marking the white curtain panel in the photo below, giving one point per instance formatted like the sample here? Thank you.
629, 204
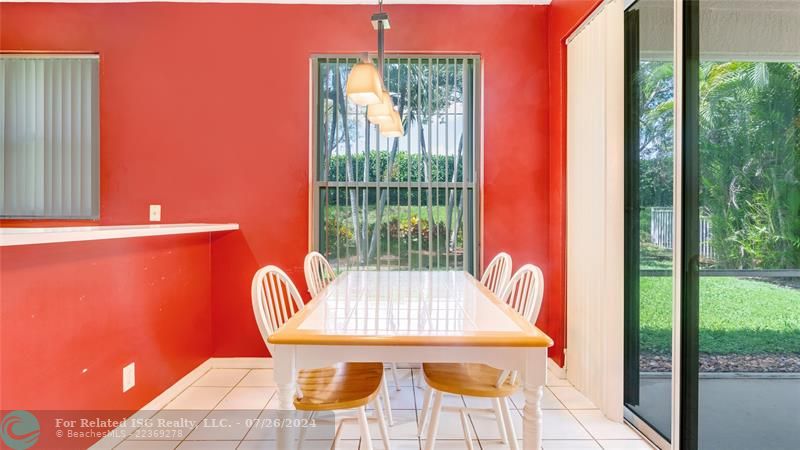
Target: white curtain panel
49, 143
595, 209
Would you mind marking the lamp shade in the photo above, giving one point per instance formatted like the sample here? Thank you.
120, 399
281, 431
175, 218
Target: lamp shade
364, 84
381, 112
393, 128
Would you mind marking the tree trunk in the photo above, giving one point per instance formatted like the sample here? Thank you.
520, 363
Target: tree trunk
459, 216
365, 204
373, 244
428, 170
342, 109
451, 200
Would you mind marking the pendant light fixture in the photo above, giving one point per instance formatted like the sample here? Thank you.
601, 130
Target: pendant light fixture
365, 86
381, 112
394, 127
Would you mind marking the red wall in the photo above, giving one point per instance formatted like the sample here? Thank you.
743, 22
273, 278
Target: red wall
73, 315
204, 110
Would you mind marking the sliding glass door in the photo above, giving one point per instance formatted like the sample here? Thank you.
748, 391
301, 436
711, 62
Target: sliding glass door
743, 86
733, 228
649, 123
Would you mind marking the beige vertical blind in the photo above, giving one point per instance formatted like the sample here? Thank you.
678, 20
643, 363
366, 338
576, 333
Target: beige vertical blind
595, 208
49, 147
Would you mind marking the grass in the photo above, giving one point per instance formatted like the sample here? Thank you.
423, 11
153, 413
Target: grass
397, 255
390, 212
395, 249
737, 316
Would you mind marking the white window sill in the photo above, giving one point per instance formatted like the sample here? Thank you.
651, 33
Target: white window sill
30, 236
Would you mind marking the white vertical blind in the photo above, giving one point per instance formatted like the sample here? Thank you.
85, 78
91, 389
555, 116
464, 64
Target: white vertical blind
49, 147
595, 209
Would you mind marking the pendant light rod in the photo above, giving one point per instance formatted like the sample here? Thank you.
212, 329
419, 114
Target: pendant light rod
380, 48
380, 22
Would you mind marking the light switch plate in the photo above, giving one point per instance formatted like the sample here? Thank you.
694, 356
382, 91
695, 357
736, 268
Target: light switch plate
155, 213
128, 377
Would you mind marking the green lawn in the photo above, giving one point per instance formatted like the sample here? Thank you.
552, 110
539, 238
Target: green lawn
390, 212
737, 316
407, 238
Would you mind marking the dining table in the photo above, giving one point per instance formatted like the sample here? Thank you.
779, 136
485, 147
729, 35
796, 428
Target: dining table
424, 316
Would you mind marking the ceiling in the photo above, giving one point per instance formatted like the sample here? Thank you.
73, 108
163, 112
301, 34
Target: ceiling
309, 2
741, 30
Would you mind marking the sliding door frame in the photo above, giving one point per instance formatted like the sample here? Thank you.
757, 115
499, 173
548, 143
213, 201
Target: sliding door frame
685, 417
685, 295
632, 210
677, 231
689, 299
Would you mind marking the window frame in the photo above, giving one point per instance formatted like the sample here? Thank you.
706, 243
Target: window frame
96, 135
475, 136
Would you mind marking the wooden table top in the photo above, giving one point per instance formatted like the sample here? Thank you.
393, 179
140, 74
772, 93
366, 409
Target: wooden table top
409, 308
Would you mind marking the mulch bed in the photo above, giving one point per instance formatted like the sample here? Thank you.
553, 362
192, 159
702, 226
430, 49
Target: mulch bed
757, 363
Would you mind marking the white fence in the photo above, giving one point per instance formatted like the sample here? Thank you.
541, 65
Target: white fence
661, 231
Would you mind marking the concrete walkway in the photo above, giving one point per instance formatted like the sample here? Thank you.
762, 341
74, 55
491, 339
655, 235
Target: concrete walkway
736, 413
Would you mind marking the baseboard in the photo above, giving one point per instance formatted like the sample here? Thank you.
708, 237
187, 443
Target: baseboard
241, 363
556, 370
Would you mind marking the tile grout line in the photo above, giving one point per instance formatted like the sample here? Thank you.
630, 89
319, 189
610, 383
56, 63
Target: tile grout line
593, 438
274, 393
214, 408
162, 408
417, 407
230, 388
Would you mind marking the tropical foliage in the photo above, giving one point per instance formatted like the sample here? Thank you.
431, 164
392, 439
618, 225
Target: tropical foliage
750, 156
749, 144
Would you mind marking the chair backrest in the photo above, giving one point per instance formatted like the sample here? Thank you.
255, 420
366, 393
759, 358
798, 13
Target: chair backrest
319, 273
497, 273
524, 292
275, 300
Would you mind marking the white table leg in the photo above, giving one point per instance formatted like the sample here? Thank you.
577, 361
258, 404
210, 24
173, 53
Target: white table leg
285, 376
535, 375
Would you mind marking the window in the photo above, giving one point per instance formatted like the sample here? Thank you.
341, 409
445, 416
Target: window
49, 146
403, 203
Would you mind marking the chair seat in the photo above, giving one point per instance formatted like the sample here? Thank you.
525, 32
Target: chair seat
343, 386
475, 380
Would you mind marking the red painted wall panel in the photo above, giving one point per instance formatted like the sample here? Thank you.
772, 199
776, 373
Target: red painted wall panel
564, 17
74, 314
204, 110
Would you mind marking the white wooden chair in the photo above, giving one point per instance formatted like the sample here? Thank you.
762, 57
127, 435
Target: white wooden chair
343, 386
497, 273
524, 293
319, 274
318, 271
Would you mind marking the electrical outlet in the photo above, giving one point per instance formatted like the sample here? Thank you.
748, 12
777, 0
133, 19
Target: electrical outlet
128, 377
155, 213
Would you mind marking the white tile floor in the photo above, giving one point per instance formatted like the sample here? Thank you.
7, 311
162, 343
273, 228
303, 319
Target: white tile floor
571, 421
